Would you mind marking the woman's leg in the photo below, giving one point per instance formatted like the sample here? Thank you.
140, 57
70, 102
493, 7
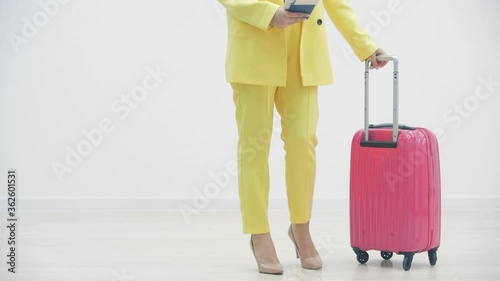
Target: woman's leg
254, 116
298, 108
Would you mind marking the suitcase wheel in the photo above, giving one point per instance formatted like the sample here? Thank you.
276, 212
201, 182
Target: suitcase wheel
432, 256
362, 257
386, 255
407, 262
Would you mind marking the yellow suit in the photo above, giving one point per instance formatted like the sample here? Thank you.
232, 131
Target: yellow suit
271, 66
256, 54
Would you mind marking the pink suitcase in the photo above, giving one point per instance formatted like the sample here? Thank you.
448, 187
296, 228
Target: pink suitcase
395, 193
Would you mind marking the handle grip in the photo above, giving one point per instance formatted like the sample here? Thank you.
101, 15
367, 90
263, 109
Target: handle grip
395, 59
387, 58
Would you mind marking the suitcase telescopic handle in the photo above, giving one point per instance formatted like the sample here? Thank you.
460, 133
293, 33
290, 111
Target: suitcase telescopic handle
395, 105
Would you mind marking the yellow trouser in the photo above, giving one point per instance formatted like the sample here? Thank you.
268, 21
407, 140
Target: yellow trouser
298, 109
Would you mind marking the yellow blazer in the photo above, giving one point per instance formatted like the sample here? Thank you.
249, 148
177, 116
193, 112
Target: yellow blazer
256, 54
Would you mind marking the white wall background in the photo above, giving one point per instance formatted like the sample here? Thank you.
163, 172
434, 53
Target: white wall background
68, 71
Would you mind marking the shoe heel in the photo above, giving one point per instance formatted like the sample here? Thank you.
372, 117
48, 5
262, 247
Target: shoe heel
275, 269
313, 263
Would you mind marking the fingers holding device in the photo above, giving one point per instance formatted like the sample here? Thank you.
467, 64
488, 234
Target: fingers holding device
293, 12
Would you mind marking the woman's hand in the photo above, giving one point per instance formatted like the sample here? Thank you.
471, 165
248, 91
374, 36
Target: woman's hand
373, 58
283, 18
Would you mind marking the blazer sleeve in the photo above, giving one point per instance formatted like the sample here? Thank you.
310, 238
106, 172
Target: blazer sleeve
344, 19
254, 12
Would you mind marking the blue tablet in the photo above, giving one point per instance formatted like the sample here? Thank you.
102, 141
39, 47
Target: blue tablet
300, 6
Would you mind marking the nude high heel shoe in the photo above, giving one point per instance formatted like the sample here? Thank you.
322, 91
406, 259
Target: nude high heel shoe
307, 263
267, 268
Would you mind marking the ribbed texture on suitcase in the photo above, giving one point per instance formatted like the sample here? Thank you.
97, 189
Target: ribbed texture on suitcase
395, 197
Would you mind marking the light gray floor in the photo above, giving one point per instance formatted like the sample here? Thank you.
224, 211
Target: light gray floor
142, 246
